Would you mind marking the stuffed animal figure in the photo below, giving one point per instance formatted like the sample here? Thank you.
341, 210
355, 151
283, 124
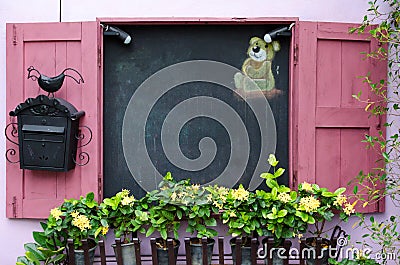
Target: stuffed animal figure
256, 69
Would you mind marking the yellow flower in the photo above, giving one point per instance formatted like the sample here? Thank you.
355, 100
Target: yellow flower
104, 230
82, 222
196, 187
306, 186
299, 236
340, 200
309, 204
173, 196
216, 204
125, 193
209, 197
232, 214
349, 209
240, 194
74, 214
284, 197
127, 200
56, 213
223, 192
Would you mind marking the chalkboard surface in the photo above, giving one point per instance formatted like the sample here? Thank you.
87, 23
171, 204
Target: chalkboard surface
153, 48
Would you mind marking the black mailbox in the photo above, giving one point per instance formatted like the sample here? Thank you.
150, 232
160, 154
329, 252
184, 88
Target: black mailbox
48, 133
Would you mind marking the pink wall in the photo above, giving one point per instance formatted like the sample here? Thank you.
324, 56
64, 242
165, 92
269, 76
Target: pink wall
15, 232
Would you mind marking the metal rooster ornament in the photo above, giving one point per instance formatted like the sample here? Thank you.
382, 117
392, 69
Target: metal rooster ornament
52, 84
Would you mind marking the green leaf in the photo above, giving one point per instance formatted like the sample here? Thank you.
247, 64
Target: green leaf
150, 231
279, 172
58, 258
163, 233
328, 194
179, 214
39, 238
104, 222
282, 213
98, 230
311, 220
22, 260
271, 216
264, 214
31, 257
272, 160
210, 222
355, 189
267, 175
90, 204
43, 225
303, 216
32, 248
339, 191
90, 196
168, 215
271, 183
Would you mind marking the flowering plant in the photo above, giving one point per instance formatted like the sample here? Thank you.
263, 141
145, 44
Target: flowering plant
165, 211
198, 207
323, 204
281, 215
239, 213
77, 219
125, 214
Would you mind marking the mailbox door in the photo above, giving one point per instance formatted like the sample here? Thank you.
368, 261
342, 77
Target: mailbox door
43, 147
43, 142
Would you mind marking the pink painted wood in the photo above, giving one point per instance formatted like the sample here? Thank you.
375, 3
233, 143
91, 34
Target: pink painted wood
52, 47
331, 123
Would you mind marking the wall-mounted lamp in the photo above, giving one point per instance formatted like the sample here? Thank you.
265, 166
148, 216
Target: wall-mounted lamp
114, 31
285, 31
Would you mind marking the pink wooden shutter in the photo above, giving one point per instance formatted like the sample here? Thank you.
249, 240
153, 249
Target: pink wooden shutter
50, 48
331, 123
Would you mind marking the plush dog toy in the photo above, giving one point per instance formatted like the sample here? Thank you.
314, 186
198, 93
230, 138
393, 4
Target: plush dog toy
256, 69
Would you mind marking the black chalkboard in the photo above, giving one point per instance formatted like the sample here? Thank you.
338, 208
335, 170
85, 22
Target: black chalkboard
153, 48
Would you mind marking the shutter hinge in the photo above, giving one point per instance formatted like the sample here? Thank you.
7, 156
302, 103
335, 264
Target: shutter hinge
294, 182
14, 38
296, 54
98, 56
14, 206
100, 185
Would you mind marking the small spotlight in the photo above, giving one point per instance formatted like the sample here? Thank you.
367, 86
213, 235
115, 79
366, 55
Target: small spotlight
285, 31
114, 31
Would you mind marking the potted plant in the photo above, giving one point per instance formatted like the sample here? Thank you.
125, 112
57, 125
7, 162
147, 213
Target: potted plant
323, 205
242, 220
78, 220
165, 214
280, 215
199, 209
126, 216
